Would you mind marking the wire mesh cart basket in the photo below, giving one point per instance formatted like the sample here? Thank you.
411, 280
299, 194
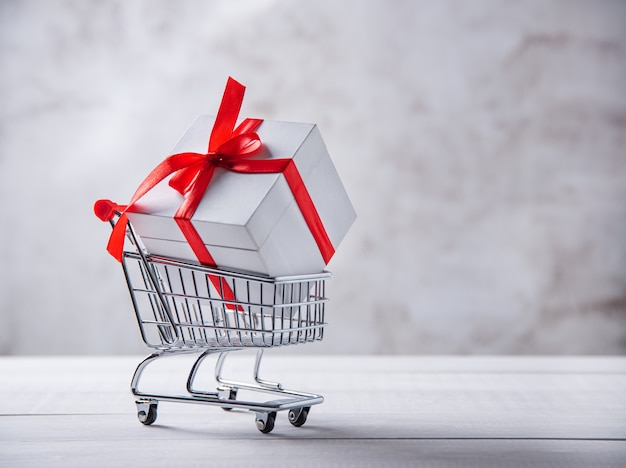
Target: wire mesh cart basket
188, 308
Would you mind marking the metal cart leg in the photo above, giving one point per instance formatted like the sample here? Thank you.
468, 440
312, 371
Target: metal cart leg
146, 407
257, 366
134, 384
194, 372
228, 388
223, 393
261, 383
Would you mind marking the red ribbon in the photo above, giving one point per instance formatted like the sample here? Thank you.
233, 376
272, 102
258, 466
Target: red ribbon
229, 148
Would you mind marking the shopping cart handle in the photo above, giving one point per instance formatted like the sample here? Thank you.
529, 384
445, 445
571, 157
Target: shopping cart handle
106, 209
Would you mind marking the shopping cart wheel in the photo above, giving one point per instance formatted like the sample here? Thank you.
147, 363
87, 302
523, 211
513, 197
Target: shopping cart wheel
297, 416
265, 422
146, 412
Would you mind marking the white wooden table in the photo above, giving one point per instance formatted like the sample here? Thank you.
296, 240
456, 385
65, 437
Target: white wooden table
378, 411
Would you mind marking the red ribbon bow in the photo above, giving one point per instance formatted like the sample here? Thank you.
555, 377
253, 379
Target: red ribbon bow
192, 172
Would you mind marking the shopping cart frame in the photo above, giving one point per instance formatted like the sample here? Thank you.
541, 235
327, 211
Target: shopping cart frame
295, 316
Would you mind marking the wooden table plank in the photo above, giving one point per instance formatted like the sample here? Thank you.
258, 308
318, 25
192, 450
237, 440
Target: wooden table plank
358, 453
381, 410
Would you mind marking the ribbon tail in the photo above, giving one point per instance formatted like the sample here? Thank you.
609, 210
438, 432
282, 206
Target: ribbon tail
248, 126
239, 146
183, 180
227, 114
116, 241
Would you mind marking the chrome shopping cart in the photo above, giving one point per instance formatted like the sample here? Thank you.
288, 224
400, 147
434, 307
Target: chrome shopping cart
187, 308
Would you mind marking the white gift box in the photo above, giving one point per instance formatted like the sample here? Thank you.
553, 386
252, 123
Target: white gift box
251, 222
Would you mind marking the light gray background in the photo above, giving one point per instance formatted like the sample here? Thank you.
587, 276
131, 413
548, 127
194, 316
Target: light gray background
483, 144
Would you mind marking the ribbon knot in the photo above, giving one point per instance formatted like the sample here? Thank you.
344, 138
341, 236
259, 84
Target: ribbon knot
197, 169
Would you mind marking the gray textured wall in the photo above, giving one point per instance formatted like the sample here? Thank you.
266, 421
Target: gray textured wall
483, 144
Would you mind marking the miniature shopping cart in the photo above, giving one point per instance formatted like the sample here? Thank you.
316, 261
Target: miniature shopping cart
188, 308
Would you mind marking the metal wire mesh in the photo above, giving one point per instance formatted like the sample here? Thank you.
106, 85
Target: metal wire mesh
181, 305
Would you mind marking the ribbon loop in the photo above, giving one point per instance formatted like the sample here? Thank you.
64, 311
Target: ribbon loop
183, 180
244, 145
